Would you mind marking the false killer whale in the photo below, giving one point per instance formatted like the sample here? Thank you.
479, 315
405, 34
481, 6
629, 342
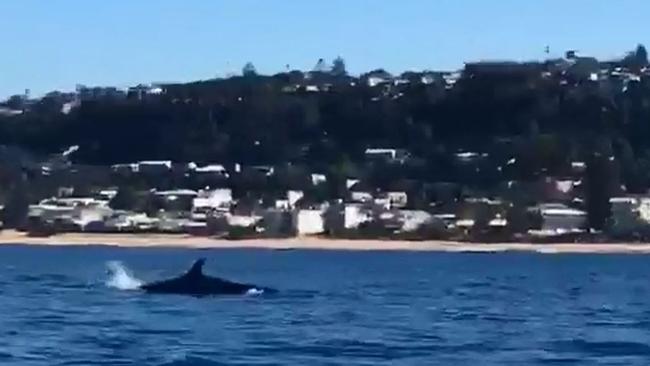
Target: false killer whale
195, 283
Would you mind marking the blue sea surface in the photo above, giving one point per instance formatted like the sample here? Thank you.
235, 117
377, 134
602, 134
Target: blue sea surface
333, 308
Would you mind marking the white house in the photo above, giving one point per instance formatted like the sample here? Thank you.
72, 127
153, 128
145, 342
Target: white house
309, 222
137, 221
355, 215
559, 219
578, 166
414, 219
350, 182
206, 201
282, 204
125, 168
68, 208
242, 220
77, 201
172, 225
629, 213
154, 166
218, 198
397, 199
47, 212
176, 199
383, 203
376, 80
293, 197
107, 194
8, 112
83, 216
212, 169
361, 196
176, 193
317, 179
466, 156
498, 221
387, 154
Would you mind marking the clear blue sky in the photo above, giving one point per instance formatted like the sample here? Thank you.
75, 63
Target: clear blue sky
55, 44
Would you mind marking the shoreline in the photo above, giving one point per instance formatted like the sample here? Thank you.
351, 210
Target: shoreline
8, 237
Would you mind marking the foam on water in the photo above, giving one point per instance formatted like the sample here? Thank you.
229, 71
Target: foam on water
549, 250
121, 277
255, 292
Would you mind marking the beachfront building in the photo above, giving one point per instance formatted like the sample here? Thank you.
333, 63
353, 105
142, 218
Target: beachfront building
348, 217
68, 213
360, 192
177, 199
355, 214
289, 201
630, 214
397, 199
243, 220
293, 197
48, 210
308, 222
209, 201
412, 220
126, 221
558, 219
169, 223
360, 196
211, 175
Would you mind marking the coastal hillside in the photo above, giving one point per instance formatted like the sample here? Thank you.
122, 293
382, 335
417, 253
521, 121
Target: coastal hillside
570, 131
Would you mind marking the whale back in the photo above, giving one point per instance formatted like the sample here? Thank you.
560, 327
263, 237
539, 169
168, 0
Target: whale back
196, 270
195, 283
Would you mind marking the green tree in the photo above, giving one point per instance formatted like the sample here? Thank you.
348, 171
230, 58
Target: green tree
125, 199
153, 205
16, 102
249, 69
601, 178
636, 59
641, 55
518, 219
338, 67
17, 206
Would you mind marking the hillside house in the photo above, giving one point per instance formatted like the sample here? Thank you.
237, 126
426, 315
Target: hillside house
390, 155
154, 167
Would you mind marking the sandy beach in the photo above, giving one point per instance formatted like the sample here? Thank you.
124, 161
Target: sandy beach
186, 241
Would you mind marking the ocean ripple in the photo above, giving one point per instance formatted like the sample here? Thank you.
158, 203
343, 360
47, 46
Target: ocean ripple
333, 308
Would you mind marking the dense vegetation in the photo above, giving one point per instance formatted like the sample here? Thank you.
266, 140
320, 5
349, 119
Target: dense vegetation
530, 119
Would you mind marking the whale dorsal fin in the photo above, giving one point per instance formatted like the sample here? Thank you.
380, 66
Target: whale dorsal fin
197, 268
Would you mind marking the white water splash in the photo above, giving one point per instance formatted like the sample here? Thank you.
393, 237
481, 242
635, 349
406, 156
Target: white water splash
121, 278
254, 292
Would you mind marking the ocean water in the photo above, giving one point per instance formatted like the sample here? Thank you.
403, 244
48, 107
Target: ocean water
59, 306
